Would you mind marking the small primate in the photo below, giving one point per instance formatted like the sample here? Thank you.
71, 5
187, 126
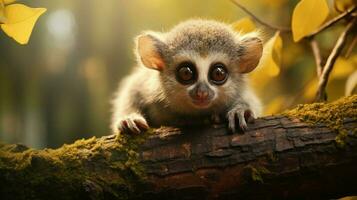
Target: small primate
195, 72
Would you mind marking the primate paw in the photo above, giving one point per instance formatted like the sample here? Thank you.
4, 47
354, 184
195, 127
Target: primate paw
243, 115
133, 123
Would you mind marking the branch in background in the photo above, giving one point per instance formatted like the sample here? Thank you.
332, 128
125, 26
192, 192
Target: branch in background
350, 48
271, 26
321, 92
333, 21
323, 72
317, 55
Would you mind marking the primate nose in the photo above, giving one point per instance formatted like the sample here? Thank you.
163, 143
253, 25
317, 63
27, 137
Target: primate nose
202, 94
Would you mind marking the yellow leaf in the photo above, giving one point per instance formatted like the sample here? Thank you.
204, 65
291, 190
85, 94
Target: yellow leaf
342, 5
310, 90
20, 21
344, 67
274, 3
269, 65
275, 106
244, 25
2, 12
272, 56
308, 15
8, 1
351, 84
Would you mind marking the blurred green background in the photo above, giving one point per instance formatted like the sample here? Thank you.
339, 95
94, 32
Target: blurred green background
58, 88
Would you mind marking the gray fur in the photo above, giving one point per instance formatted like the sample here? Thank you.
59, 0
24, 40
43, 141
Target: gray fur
203, 36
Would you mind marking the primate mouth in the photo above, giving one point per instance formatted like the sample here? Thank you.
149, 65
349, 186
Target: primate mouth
201, 103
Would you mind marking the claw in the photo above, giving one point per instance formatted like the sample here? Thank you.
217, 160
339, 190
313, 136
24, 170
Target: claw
242, 115
141, 124
132, 124
242, 122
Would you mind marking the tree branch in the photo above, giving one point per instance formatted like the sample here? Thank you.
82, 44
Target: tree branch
271, 26
351, 46
336, 51
333, 21
317, 55
278, 157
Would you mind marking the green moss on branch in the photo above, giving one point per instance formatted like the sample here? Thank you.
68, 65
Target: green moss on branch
86, 165
109, 167
331, 114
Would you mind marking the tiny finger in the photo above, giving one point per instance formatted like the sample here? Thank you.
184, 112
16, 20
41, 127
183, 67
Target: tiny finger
242, 122
141, 124
132, 126
123, 126
231, 122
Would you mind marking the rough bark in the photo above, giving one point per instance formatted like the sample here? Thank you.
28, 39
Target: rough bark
278, 157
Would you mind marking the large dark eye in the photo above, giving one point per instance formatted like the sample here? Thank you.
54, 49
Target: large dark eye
186, 73
218, 73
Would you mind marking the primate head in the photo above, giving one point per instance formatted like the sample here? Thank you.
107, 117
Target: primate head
202, 63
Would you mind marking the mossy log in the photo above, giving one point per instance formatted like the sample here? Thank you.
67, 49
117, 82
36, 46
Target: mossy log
278, 157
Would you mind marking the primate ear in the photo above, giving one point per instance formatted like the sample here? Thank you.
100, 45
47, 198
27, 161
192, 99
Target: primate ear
150, 51
252, 49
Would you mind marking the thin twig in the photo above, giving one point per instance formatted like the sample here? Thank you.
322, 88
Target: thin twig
333, 21
317, 55
350, 48
336, 51
271, 26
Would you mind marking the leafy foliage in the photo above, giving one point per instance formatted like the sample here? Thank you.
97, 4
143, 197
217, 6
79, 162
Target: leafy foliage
308, 16
309, 21
343, 5
18, 20
244, 25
